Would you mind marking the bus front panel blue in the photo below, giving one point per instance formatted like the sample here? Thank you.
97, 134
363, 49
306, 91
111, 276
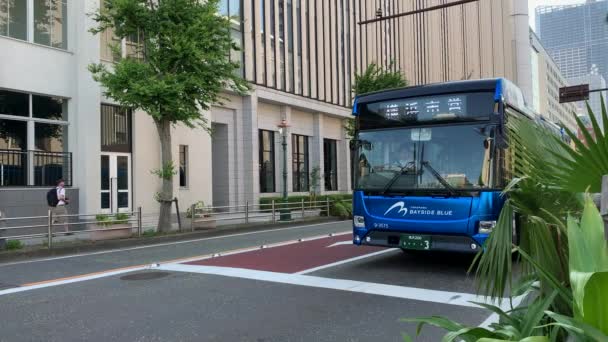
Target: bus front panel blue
453, 216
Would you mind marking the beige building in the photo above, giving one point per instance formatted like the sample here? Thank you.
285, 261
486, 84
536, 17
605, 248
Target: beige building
547, 79
301, 57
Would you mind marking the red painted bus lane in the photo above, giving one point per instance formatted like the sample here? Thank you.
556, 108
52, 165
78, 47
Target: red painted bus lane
293, 258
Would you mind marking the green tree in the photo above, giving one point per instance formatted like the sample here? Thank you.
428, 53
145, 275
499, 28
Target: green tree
375, 78
182, 69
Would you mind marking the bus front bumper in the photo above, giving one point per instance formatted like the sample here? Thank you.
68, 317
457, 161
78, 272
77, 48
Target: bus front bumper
448, 243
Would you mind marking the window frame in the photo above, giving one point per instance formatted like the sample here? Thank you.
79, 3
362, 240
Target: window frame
34, 36
298, 151
184, 161
265, 188
330, 164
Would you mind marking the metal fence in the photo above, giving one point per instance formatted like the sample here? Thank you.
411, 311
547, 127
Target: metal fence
273, 212
50, 227
34, 168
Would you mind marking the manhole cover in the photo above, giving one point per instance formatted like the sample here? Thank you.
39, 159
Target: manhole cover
145, 276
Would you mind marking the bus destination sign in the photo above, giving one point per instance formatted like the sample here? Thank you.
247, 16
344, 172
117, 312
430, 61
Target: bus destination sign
422, 109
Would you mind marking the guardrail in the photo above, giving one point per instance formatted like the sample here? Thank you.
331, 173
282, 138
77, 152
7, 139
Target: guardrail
47, 227
133, 221
249, 211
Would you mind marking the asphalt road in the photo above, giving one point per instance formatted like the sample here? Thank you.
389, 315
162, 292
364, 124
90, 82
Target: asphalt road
321, 289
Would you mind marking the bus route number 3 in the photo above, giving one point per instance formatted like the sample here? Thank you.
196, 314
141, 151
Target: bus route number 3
381, 225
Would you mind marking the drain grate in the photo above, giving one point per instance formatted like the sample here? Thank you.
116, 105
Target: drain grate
145, 276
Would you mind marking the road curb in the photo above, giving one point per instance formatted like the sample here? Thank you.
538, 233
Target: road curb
94, 246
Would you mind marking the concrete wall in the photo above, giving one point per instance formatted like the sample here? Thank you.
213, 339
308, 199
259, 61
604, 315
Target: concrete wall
32, 202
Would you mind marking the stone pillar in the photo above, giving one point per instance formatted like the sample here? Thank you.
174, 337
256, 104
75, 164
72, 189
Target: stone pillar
316, 150
248, 155
84, 109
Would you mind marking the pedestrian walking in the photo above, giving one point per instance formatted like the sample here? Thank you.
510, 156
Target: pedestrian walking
58, 202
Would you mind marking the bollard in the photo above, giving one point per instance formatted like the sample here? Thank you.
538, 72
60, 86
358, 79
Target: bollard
50, 230
139, 224
274, 215
246, 212
192, 216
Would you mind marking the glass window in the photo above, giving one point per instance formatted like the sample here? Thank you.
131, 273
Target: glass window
13, 18
235, 8
267, 175
183, 166
50, 108
50, 23
13, 103
13, 135
223, 7
49, 137
330, 160
409, 159
299, 145
115, 129
13, 158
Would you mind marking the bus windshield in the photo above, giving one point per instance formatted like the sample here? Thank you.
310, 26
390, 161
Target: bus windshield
445, 158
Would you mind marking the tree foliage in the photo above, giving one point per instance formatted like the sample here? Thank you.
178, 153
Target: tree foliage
375, 78
185, 65
180, 68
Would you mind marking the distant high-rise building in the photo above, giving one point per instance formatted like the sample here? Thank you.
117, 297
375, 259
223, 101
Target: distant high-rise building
576, 36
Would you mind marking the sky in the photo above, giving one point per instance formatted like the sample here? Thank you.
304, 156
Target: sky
532, 4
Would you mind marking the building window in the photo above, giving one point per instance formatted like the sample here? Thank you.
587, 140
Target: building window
183, 166
330, 160
43, 119
115, 129
13, 19
299, 146
50, 23
267, 183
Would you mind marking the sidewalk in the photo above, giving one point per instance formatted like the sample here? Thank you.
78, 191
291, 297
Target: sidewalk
77, 244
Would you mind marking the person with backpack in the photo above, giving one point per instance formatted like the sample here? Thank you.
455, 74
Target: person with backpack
57, 202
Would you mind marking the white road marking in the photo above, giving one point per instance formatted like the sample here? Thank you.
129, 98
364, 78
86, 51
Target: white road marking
337, 263
165, 244
434, 296
341, 243
73, 280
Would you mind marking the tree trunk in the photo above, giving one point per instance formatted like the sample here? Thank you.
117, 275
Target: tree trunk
166, 159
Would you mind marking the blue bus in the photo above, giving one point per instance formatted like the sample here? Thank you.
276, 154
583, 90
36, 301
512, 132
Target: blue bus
430, 163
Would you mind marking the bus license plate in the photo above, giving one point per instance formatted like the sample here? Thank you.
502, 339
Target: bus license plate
419, 242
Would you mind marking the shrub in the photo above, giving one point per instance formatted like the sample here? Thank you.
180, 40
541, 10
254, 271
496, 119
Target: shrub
199, 207
150, 233
109, 220
14, 245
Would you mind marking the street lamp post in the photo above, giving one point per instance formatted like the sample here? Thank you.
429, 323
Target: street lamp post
285, 213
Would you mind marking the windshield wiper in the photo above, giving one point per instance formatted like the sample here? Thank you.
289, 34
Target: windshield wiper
441, 180
400, 173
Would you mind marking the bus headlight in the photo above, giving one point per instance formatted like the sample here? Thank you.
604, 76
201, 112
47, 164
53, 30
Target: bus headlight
486, 227
359, 221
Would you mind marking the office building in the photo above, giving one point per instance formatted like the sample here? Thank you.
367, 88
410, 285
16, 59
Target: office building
300, 56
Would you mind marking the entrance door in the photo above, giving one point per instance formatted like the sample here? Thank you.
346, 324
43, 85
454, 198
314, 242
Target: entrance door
115, 182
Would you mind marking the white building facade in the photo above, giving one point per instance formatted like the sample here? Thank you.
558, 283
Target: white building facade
55, 123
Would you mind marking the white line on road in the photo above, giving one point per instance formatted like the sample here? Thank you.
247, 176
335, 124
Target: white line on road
165, 244
73, 280
442, 297
341, 243
341, 262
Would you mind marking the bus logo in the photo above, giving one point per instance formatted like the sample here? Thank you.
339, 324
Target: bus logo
401, 206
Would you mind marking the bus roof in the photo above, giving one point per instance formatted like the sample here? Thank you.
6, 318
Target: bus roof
502, 89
